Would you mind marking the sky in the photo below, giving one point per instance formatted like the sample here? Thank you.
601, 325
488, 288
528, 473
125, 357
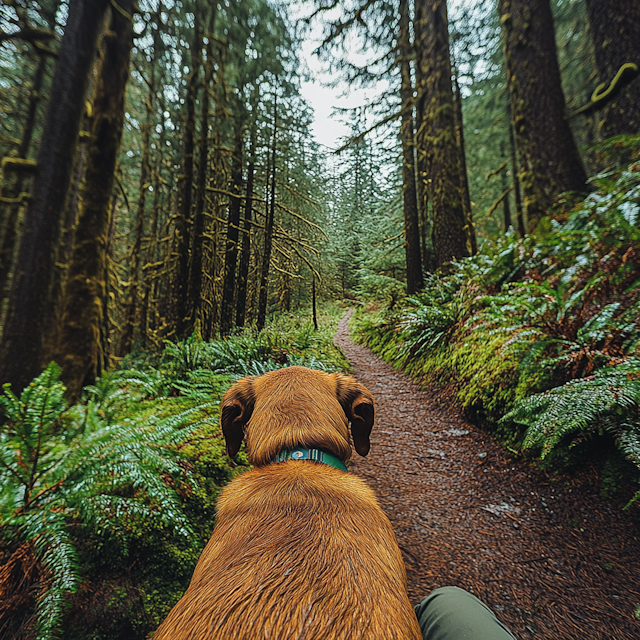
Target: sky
327, 130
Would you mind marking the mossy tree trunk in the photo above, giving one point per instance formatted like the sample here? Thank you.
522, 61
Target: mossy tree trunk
199, 214
233, 223
409, 193
516, 180
178, 321
9, 233
132, 309
464, 177
506, 210
148, 313
436, 134
245, 252
79, 347
263, 296
615, 27
29, 300
548, 153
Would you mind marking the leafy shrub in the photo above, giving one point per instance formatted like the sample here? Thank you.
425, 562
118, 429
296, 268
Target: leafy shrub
57, 470
608, 401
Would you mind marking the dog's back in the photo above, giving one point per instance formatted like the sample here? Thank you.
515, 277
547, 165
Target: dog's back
300, 550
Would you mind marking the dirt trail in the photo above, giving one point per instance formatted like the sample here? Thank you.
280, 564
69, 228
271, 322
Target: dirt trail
548, 555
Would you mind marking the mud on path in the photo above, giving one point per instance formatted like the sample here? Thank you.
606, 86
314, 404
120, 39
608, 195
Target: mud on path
550, 557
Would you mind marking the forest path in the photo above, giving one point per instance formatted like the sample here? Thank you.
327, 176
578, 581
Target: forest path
550, 557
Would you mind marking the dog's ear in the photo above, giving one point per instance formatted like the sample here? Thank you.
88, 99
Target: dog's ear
237, 407
359, 407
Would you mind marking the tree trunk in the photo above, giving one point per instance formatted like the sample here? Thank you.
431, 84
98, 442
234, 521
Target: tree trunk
506, 211
178, 321
464, 177
268, 228
436, 139
313, 302
29, 300
550, 160
131, 313
424, 220
516, 180
79, 352
233, 224
8, 238
615, 27
245, 255
150, 277
197, 234
409, 194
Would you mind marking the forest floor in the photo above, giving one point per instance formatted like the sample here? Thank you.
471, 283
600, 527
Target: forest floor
544, 551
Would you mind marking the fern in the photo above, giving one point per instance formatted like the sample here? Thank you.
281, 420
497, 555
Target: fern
56, 468
606, 401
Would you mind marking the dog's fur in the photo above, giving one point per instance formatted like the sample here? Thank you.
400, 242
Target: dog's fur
300, 550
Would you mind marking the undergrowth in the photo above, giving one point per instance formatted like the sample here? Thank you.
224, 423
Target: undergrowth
105, 506
539, 338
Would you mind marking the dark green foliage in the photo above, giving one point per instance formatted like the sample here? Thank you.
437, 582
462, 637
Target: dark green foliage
554, 342
608, 401
63, 466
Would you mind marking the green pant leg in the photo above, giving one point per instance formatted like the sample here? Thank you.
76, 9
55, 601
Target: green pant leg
451, 613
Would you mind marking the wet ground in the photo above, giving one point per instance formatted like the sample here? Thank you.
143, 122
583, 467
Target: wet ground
550, 557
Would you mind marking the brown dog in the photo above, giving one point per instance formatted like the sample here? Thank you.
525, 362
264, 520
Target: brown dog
300, 550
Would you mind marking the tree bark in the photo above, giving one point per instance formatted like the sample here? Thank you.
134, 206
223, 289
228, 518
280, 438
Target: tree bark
550, 160
464, 177
615, 27
178, 320
197, 234
506, 211
233, 224
268, 228
436, 137
313, 302
409, 193
516, 180
8, 238
29, 300
79, 347
131, 314
245, 255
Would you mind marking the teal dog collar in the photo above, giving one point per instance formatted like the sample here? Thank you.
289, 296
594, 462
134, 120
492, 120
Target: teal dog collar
318, 455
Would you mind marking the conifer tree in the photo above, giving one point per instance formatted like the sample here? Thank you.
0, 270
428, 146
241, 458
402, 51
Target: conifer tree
79, 349
550, 160
178, 290
268, 227
29, 300
245, 255
436, 139
409, 190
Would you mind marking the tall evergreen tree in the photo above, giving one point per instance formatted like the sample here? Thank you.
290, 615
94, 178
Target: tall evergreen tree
550, 160
79, 349
268, 226
436, 135
409, 191
29, 300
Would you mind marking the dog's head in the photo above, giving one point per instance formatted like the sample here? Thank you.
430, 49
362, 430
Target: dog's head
297, 407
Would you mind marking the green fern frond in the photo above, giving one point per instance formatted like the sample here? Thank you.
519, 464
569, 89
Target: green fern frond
606, 401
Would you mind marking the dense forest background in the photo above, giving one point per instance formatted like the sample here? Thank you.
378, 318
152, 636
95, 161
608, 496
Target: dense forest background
167, 219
